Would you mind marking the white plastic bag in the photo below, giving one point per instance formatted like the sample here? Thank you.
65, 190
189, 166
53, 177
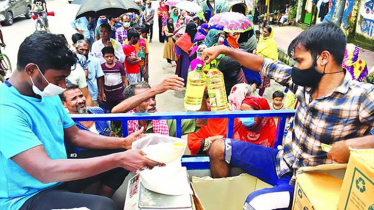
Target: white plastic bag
171, 179
161, 148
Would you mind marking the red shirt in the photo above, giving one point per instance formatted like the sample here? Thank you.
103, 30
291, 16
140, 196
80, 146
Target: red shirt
130, 52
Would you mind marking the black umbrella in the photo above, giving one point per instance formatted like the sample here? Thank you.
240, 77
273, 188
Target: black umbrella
95, 8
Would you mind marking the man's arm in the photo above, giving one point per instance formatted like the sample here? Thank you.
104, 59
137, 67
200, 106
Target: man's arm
89, 140
38, 164
340, 150
133, 60
124, 79
171, 83
248, 60
100, 85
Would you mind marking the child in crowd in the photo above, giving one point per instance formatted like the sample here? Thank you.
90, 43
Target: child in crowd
75, 38
132, 60
143, 53
277, 103
258, 34
114, 80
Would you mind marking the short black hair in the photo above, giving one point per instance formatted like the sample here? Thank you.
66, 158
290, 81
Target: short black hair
107, 26
322, 37
277, 94
69, 86
46, 50
107, 50
75, 37
135, 26
258, 32
144, 29
132, 34
130, 90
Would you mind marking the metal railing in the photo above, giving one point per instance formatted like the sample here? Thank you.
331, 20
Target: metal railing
178, 116
195, 162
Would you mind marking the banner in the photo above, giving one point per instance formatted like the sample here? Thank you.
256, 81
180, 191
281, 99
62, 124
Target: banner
365, 22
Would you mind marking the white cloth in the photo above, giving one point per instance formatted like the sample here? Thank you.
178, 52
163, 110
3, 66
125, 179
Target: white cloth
78, 77
98, 45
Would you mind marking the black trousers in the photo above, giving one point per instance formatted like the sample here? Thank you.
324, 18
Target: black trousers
160, 37
67, 195
150, 29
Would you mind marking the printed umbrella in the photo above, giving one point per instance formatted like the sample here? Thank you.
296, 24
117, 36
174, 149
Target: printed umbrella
172, 3
96, 8
189, 6
232, 22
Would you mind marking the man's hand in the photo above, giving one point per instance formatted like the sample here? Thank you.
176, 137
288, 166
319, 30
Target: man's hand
215, 138
134, 160
132, 137
103, 97
99, 98
212, 53
339, 152
170, 83
80, 31
144, 70
3, 44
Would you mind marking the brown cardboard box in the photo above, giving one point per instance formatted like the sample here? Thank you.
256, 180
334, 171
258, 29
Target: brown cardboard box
357, 192
323, 187
225, 193
318, 187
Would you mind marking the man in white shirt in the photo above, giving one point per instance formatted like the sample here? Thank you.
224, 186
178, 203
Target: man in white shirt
104, 41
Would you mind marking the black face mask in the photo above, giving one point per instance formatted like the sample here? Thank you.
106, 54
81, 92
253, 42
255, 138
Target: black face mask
308, 78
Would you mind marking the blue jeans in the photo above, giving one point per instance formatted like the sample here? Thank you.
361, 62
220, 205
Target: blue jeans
44, 15
260, 162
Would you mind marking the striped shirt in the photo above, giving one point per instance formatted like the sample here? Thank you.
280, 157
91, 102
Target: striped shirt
121, 35
346, 113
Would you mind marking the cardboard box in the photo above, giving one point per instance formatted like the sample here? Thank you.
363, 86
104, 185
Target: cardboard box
323, 187
225, 193
318, 187
357, 192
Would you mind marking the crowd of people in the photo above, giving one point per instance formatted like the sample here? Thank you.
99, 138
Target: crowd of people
48, 158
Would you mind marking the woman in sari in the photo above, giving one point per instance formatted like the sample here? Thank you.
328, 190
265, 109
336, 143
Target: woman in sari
175, 15
182, 48
162, 13
356, 67
169, 53
253, 130
267, 48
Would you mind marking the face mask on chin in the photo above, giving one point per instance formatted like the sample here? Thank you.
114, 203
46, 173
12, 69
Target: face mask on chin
49, 91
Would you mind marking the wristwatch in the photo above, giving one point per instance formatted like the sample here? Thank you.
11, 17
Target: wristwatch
207, 143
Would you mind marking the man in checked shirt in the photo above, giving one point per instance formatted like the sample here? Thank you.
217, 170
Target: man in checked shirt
332, 110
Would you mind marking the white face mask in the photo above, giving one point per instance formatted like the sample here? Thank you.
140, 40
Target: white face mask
49, 91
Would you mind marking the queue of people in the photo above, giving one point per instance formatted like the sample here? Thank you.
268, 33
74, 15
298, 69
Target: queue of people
48, 158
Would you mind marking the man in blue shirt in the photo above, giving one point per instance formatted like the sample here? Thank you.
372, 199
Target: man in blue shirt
95, 73
34, 127
81, 26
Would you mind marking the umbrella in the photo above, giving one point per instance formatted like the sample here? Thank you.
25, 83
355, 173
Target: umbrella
232, 22
172, 3
96, 8
77, 1
189, 6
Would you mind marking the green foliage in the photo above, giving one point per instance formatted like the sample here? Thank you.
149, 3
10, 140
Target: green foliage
293, 12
